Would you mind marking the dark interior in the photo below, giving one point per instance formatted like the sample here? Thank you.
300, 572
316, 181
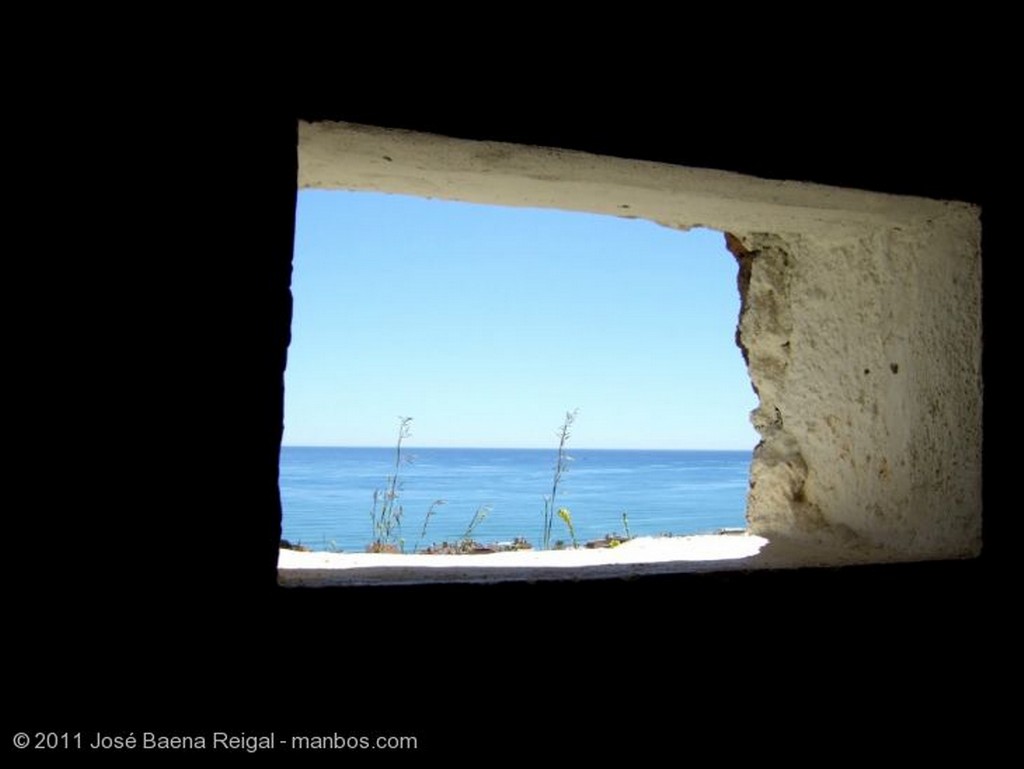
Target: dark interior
150, 313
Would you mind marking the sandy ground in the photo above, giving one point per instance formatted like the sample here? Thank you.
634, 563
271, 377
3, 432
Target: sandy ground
643, 555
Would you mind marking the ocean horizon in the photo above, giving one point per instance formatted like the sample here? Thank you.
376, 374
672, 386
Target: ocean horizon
327, 493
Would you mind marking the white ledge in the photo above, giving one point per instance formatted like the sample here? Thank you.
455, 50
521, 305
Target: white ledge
638, 557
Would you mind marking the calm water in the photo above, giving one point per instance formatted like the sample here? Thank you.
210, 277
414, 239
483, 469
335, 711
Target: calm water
327, 492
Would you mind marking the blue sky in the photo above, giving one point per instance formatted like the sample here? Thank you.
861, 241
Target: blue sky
486, 324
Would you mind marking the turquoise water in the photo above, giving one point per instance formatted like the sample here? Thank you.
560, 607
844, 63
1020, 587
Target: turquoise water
327, 493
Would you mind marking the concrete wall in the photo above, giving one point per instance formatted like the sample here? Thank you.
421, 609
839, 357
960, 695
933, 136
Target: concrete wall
860, 323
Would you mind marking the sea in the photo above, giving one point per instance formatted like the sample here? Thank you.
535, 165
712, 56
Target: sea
327, 494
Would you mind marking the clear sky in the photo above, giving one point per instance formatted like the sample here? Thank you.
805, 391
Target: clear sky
486, 324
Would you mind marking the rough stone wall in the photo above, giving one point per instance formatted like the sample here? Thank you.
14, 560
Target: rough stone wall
864, 351
860, 323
